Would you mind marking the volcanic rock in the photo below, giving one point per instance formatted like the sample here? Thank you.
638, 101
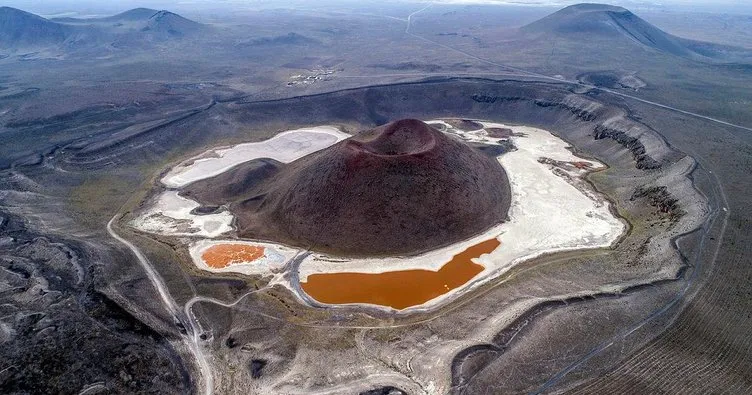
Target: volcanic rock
20, 28
606, 21
402, 188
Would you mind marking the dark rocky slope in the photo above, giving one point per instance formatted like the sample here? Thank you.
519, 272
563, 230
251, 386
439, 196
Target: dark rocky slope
20, 29
401, 188
606, 21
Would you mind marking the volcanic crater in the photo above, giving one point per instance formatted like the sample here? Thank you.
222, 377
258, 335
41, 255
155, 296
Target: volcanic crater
399, 189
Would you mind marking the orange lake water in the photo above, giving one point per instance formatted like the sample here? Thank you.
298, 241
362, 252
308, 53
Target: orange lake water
398, 289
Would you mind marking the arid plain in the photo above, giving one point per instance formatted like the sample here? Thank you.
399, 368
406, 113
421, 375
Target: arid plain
147, 215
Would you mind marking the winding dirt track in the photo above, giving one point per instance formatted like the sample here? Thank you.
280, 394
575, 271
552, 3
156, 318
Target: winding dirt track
192, 337
721, 211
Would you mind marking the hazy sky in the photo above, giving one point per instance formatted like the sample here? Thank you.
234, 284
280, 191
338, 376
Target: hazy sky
84, 7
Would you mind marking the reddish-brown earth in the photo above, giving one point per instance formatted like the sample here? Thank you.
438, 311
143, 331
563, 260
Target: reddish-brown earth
582, 165
464, 124
401, 188
500, 133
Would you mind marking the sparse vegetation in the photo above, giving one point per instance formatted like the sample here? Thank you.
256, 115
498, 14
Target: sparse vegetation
93, 109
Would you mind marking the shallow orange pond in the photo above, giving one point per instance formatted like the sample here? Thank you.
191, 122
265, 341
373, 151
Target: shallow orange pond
223, 255
398, 289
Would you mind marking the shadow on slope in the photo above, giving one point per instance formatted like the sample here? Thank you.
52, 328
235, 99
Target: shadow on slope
585, 22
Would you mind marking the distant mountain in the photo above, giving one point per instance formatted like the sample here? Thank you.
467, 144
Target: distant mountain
136, 14
135, 28
22, 29
170, 23
600, 20
155, 22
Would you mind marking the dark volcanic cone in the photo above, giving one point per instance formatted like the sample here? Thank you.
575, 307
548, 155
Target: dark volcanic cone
20, 28
402, 188
606, 21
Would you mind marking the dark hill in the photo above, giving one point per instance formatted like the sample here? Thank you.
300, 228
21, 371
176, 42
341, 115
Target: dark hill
22, 29
136, 14
171, 23
134, 28
235, 184
583, 21
401, 188
145, 20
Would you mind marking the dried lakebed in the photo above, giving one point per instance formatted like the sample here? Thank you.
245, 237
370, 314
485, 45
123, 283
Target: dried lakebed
553, 209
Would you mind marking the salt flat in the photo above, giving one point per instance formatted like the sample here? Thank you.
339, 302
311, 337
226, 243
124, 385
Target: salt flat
284, 147
553, 208
548, 213
170, 215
